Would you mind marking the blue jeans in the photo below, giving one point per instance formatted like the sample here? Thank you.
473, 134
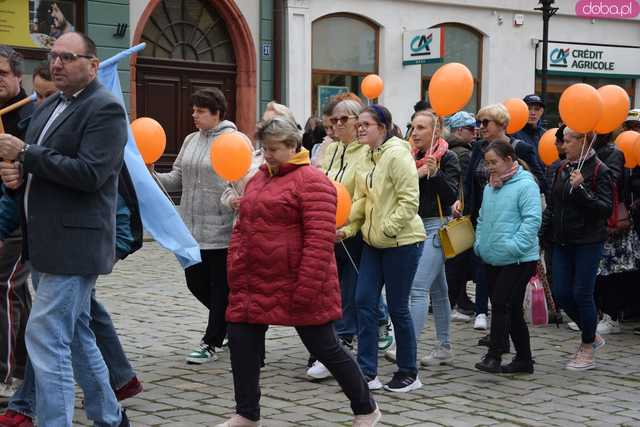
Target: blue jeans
482, 285
347, 251
575, 268
60, 344
394, 268
120, 370
430, 279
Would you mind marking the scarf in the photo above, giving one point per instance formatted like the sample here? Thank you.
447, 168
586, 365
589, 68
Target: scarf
496, 181
437, 151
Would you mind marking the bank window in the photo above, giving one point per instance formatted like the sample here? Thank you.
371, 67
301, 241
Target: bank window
556, 85
344, 51
464, 45
34, 25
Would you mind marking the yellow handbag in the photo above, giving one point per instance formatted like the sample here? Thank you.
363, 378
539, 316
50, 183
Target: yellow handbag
456, 236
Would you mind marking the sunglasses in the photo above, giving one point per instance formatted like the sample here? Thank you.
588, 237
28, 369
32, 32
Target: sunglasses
343, 120
483, 122
66, 57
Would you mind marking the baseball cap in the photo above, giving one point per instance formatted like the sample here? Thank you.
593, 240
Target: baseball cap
461, 119
634, 115
533, 99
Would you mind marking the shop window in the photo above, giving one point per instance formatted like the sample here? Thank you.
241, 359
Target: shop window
34, 25
345, 50
556, 85
464, 45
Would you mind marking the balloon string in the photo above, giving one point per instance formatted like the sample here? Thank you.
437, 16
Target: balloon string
355, 267
164, 190
593, 139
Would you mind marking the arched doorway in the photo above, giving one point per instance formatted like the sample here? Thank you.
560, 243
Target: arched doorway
192, 44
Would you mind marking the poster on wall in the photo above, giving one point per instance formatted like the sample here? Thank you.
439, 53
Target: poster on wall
326, 92
36, 23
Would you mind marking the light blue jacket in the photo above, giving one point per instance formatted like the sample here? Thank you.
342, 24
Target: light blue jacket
509, 221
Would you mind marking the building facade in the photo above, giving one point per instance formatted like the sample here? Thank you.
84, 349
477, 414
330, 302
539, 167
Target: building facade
332, 45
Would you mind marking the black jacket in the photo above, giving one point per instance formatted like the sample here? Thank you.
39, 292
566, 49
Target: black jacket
609, 154
463, 151
70, 227
578, 216
474, 185
444, 184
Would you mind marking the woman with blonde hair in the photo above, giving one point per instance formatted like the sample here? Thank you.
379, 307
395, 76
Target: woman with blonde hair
439, 173
342, 159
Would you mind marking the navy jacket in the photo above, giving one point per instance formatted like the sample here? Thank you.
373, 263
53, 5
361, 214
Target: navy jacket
70, 223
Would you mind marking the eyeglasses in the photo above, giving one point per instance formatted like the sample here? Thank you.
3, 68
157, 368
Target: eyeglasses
364, 125
343, 120
66, 57
483, 122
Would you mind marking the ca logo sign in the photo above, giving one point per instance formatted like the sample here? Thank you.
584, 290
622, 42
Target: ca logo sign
420, 45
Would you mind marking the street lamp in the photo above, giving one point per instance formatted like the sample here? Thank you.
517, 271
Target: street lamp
547, 13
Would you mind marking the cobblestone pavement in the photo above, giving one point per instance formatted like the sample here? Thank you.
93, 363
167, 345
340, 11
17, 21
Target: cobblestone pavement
159, 322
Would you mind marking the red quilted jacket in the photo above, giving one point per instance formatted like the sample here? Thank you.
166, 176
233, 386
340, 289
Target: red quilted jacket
281, 264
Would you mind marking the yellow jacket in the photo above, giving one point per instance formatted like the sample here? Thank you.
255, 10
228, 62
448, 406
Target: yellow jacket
386, 199
341, 161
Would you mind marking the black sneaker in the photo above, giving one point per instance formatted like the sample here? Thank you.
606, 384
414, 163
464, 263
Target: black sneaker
347, 342
518, 366
636, 331
403, 383
490, 364
485, 341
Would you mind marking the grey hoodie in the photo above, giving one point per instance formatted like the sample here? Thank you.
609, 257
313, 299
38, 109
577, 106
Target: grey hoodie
209, 221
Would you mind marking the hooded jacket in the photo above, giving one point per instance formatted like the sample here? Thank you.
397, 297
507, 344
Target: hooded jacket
281, 266
444, 184
386, 198
509, 221
341, 161
206, 217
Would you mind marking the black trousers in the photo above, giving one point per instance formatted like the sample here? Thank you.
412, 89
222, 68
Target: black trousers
459, 270
613, 293
246, 342
207, 281
507, 285
15, 305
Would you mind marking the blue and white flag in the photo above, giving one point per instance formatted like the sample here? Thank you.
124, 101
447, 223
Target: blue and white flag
159, 217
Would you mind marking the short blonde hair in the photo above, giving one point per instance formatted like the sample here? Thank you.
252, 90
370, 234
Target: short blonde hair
279, 129
351, 106
496, 112
280, 110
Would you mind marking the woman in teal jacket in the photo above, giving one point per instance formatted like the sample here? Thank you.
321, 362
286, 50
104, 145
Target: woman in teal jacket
507, 241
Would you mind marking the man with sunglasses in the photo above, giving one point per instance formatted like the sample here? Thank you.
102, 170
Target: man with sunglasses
65, 179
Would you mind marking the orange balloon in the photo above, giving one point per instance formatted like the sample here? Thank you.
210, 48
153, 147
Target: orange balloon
518, 113
547, 149
372, 86
615, 102
150, 139
450, 88
637, 150
580, 107
628, 142
230, 156
343, 209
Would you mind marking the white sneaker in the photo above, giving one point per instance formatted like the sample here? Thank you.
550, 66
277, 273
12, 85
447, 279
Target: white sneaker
456, 316
374, 384
368, 420
481, 322
9, 389
573, 326
608, 326
439, 356
318, 371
